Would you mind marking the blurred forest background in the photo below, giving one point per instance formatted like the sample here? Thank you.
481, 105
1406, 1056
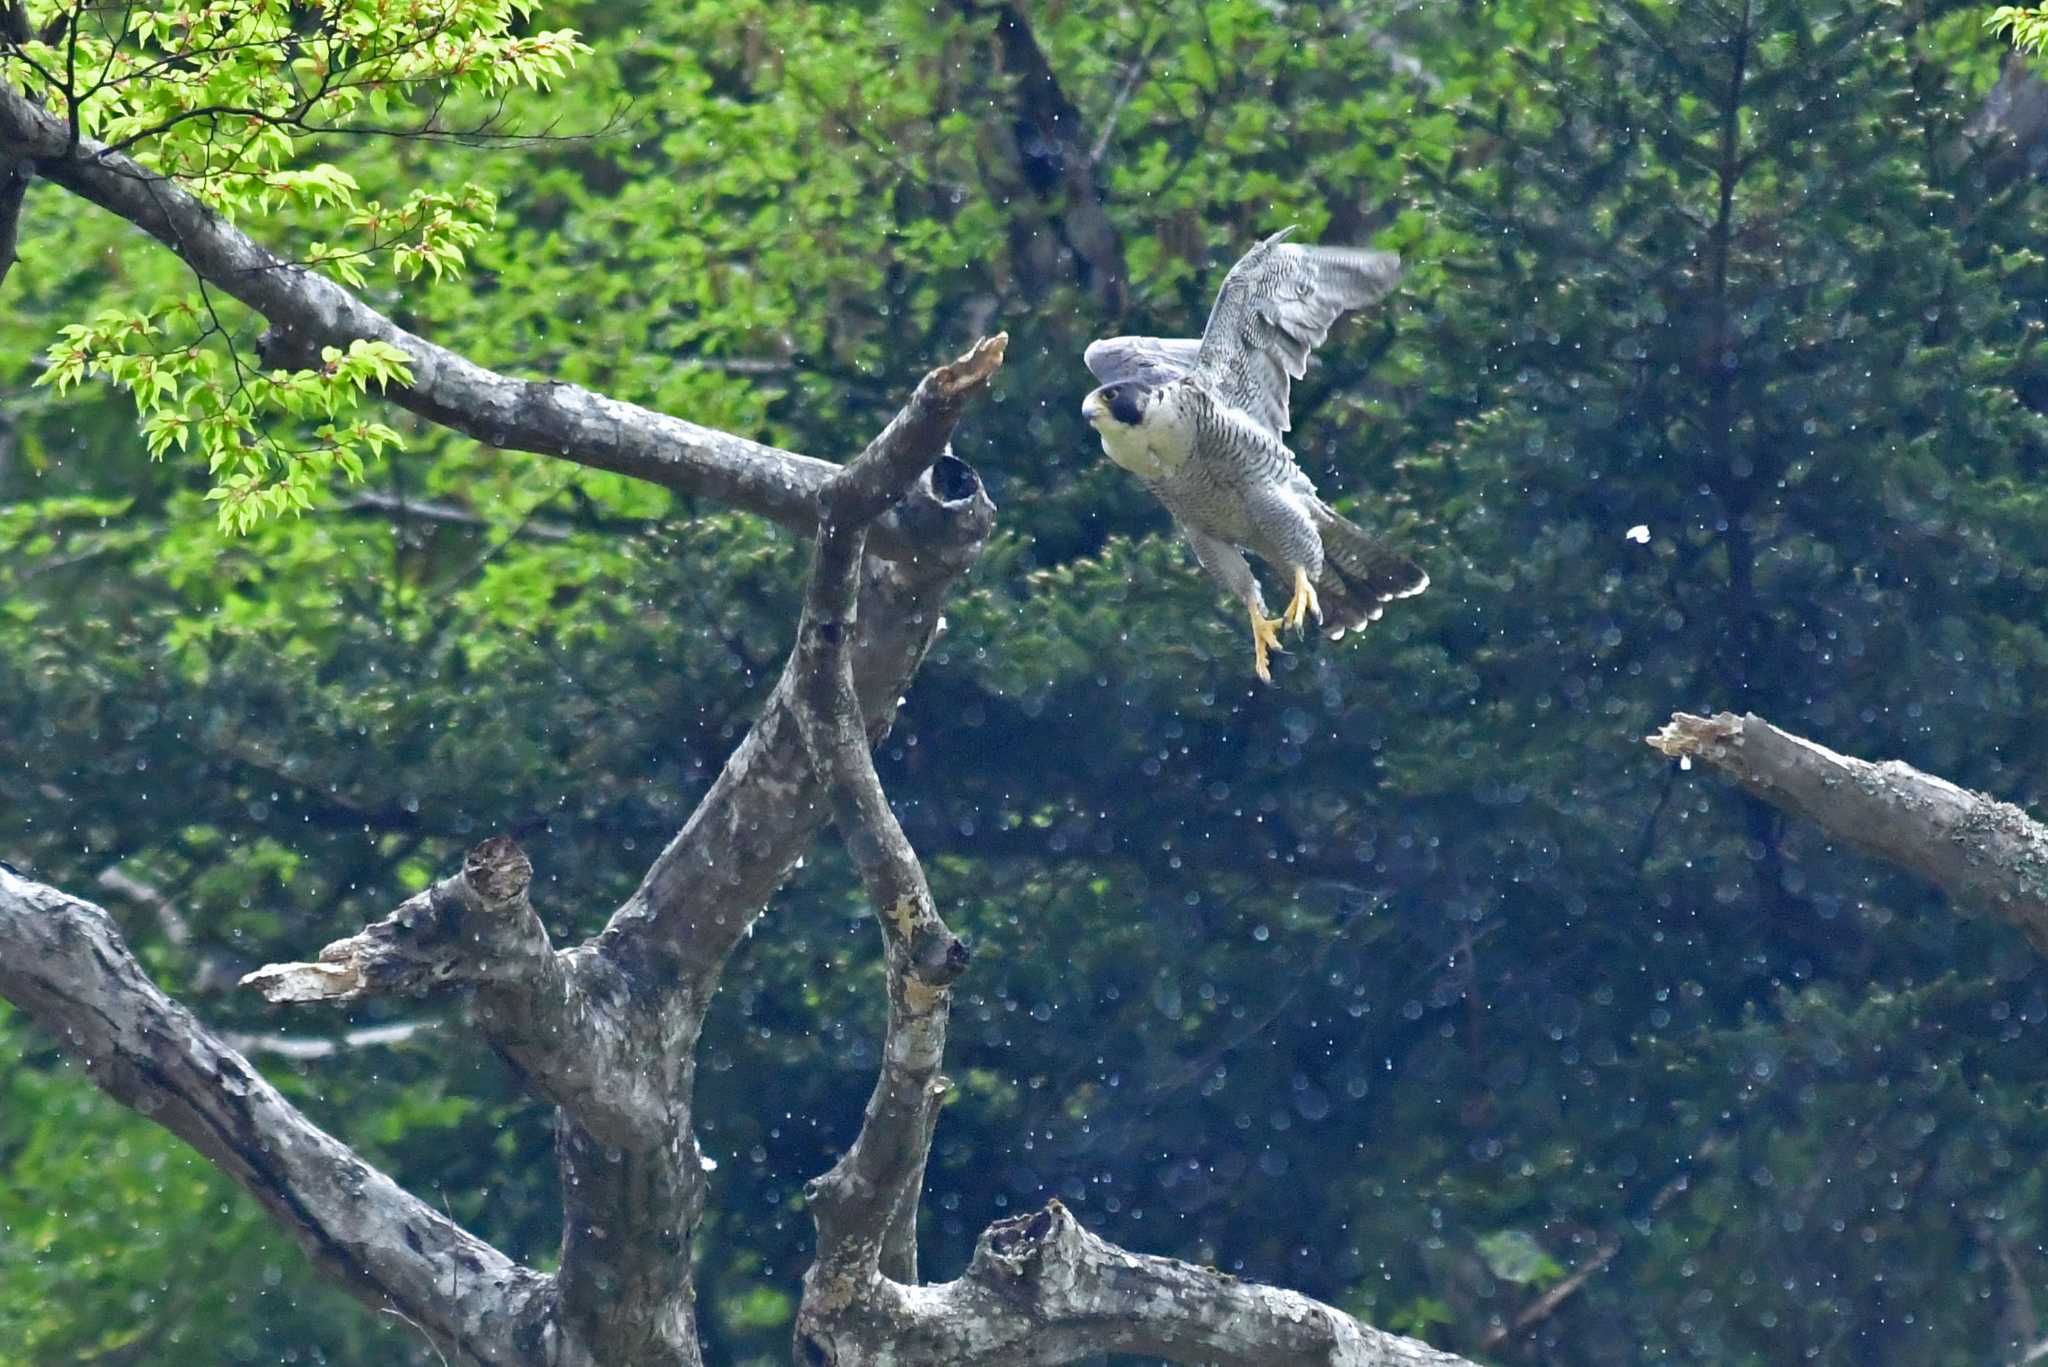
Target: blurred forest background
1415, 981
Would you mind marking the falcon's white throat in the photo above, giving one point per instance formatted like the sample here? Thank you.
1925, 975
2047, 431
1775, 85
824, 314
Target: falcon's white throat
1158, 444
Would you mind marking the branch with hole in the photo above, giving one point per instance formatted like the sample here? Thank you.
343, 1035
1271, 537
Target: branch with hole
1040, 1288
606, 1030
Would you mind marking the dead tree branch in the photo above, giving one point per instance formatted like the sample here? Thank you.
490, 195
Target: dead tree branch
1972, 847
63, 962
866, 1207
606, 1030
1040, 1288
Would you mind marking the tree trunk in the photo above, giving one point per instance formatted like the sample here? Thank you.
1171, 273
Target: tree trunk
606, 1030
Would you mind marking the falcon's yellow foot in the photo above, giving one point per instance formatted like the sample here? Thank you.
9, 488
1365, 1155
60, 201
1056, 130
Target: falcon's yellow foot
1302, 604
1265, 637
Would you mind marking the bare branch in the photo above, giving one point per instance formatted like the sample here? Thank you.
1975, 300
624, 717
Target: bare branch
607, 1030
1041, 1290
564, 1020
308, 311
707, 887
866, 1207
1973, 847
610, 1048
476, 927
64, 964
914, 439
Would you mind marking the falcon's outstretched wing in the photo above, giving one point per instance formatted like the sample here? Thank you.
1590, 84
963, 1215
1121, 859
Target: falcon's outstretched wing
1275, 306
1148, 360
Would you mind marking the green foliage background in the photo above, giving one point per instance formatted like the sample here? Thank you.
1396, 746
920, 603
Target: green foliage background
1414, 981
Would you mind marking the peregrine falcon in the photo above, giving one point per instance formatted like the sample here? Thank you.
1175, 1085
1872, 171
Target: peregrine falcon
1199, 424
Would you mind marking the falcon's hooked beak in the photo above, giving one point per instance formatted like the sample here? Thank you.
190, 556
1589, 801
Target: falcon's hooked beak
1094, 410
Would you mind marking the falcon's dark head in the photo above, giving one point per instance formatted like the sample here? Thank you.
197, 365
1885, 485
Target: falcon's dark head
1123, 403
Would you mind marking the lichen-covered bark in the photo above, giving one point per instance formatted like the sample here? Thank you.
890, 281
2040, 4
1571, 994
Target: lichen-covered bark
705, 889
1973, 847
866, 1206
565, 1021
607, 1030
1041, 1290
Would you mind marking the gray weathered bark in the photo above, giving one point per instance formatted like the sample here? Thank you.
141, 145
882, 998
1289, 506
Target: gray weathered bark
606, 1030
1973, 847
866, 1207
1041, 1290
63, 962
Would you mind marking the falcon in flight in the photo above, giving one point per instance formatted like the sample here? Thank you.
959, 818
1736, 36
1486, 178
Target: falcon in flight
1200, 423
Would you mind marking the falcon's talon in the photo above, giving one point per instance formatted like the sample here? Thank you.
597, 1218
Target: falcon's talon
1303, 603
1265, 637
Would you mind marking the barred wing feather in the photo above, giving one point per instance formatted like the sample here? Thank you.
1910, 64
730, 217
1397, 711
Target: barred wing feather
1277, 305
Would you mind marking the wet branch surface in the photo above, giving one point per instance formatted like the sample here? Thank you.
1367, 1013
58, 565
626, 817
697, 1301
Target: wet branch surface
1041, 1290
605, 1030
866, 1206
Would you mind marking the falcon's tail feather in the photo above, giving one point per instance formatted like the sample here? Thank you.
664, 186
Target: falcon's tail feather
1361, 574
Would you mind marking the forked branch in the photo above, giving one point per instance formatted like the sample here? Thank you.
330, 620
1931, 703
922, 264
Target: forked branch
866, 1207
607, 1030
557, 1017
1040, 1289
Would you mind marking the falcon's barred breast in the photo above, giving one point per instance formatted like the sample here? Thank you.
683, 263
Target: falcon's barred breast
1199, 423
